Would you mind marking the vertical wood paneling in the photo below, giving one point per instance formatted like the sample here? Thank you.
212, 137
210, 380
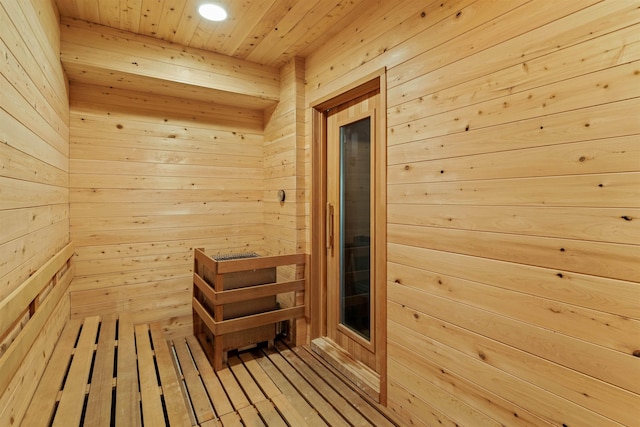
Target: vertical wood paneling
34, 173
513, 191
152, 178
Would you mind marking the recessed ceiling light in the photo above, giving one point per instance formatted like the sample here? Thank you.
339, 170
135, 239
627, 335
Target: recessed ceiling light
212, 12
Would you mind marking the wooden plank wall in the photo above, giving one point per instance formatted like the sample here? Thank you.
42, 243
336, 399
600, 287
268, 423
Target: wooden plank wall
284, 169
34, 175
153, 177
513, 205
284, 165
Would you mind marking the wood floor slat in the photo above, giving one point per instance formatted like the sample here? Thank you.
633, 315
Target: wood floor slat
127, 399
69, 412
250, 417
183, 385
197, 393
270, 415
233, 389
101, 391
293, 417
155, 381
262, 379
177, 410
246, 381
373, 415
221, 402
295, 402
342, 406
152, 413
324, 409
232, 419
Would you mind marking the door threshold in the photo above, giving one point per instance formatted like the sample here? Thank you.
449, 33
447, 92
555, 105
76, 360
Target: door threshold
362, 376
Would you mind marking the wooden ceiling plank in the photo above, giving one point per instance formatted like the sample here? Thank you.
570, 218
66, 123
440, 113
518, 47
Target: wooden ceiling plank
203, 32
296, 17
90, 9
187, 24
236, 11
314, 26
330, 25
250, 18
150, 16
169, 21
268, 23
67, 7
109, 12
268, 32
130, 11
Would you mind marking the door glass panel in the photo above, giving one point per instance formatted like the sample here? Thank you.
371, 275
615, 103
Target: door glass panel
355, 226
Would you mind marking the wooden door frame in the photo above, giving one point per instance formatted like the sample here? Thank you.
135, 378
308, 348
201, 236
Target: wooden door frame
317, 294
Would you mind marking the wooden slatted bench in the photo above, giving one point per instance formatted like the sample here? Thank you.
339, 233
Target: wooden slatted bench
31, 320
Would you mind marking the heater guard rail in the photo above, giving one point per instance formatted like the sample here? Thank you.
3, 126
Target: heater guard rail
212, 293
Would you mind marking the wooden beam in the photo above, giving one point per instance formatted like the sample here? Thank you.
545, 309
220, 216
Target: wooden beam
92, 52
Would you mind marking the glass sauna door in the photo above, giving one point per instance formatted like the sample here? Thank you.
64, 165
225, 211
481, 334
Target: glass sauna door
350, 195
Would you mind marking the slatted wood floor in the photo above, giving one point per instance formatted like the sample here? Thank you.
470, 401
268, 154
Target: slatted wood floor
106, 372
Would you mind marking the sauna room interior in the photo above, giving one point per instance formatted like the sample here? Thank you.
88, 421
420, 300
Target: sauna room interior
313, 212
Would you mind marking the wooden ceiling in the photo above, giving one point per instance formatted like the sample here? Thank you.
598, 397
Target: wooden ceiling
268, 32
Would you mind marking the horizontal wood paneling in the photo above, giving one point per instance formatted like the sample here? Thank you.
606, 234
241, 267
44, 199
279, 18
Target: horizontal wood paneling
610, 85
148, 183
283, 141
34, 180
544, 31
598, 293
504, 356
178, 232
594, 224
116, 209
580, 355
616, 261
491, 381
599, 156
589, 123
182, 110
124, 60
513, 191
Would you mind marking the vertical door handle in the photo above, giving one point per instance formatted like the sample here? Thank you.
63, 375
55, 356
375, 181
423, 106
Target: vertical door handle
330, 227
